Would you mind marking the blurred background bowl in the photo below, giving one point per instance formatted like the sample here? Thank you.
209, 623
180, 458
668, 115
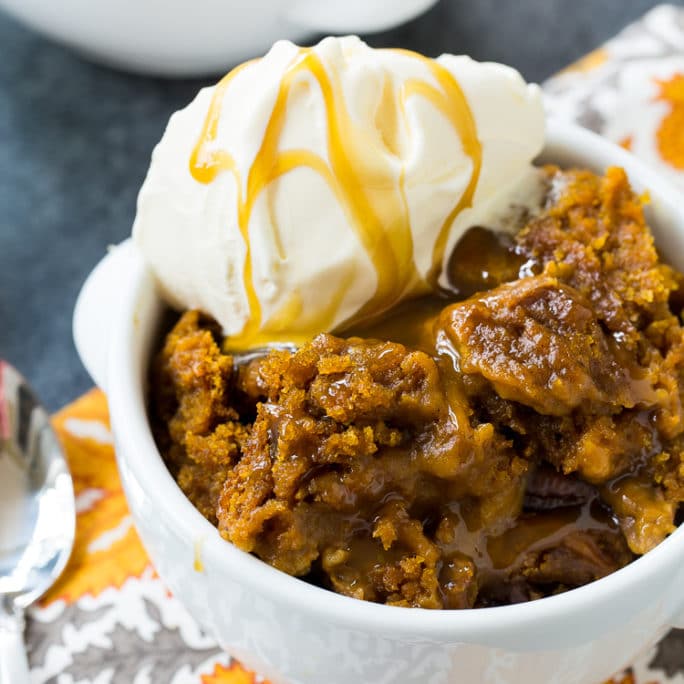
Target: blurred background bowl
182, 38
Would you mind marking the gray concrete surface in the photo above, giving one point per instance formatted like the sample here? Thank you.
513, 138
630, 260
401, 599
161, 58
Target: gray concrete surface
75, 141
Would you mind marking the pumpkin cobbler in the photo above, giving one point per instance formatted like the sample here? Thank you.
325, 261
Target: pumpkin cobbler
514, 435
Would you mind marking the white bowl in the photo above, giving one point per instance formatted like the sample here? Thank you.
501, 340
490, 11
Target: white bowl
199, 37
293, 632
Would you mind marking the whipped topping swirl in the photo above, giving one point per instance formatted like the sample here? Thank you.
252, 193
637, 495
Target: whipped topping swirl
317, 187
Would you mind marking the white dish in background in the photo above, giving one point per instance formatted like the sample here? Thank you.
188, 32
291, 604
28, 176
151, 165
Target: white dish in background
176, 38
296, 633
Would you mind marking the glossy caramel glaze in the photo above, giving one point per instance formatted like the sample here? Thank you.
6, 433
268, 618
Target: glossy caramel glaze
364, 185
518, 437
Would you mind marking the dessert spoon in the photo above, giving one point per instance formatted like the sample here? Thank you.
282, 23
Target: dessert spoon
37, 515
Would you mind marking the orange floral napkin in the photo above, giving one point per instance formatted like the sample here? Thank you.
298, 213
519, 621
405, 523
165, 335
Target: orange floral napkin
631, 90
111, 620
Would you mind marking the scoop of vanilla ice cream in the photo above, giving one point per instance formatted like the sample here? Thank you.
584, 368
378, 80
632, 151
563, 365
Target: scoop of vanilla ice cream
315, 186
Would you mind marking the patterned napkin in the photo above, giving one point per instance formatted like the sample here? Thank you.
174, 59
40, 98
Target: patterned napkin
110, 620
631, 90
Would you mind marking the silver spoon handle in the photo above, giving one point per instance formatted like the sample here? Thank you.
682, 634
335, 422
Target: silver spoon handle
14, 667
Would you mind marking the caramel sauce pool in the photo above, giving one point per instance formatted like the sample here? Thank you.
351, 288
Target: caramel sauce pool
482, 260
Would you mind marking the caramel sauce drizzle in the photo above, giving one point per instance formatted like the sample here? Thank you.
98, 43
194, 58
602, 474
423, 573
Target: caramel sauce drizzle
365, 186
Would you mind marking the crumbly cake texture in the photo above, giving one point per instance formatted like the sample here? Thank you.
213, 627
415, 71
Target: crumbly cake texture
532, 443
